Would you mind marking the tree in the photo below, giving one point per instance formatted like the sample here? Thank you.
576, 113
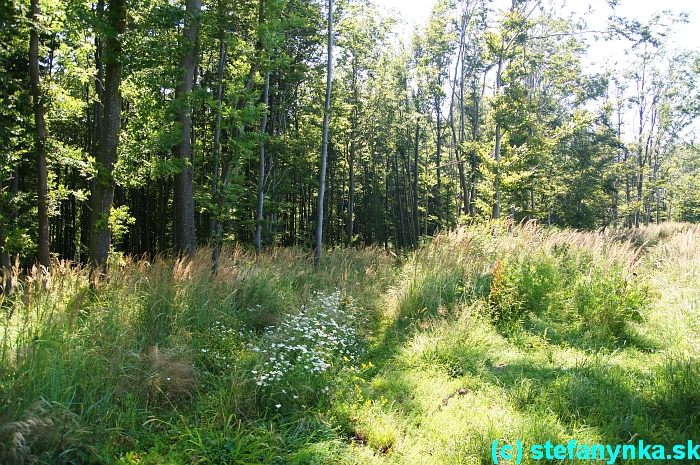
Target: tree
261, 175
223, 105
362, 37
101, 234
324, 143
433, 51
16, 110
40, 136
513, 32
185, 237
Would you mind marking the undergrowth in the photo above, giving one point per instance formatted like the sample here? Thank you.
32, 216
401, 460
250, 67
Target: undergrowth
481, 334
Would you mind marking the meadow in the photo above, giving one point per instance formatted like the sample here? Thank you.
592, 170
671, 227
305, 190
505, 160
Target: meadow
427, 356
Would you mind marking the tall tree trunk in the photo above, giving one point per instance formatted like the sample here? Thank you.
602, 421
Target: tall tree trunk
100, 234
351, 159
397, 187
475, 136
98, 117
497, 146
438, 160
416, 147
497, 153
40, 136
226, 168
217, 129
406, 188
640, 171
324, 144
261, 178
641, 103
455, 142
215, 223
5, 265
186, 240
351, 188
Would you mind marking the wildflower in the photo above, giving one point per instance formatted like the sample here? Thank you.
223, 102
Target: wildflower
308, 341
278, 405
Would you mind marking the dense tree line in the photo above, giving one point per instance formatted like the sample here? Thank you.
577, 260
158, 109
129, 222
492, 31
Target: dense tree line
146, 127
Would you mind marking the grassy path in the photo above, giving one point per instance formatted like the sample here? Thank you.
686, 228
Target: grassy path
443, 393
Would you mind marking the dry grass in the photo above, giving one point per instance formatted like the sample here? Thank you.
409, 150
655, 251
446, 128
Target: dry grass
168, 375
40, 429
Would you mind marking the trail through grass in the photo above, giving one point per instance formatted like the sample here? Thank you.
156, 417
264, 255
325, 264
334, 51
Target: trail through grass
532, 335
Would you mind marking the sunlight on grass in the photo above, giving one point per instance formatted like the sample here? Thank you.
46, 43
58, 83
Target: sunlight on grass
532, 335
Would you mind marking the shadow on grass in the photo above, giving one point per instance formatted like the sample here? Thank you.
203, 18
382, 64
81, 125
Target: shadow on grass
644, 396
571, 331
619, 402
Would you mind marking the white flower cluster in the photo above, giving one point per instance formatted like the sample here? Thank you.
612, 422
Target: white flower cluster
309, 342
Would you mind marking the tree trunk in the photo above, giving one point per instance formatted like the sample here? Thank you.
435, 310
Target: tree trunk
402, 223
497, 154
455, 141
186, 240
100, 234
5, 265
324, 144
351, 188
40, 136
416, 217
98, 118
215, 223
225, 174
261, 178
217, 132
640, 171
438, 159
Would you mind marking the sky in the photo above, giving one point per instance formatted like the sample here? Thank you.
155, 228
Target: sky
686, 35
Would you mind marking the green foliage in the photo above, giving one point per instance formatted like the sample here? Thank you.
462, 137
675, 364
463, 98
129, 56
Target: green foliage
547, 330
119, 221
19, 242
553, 330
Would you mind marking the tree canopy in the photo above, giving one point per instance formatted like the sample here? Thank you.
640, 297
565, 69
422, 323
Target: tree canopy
155, 127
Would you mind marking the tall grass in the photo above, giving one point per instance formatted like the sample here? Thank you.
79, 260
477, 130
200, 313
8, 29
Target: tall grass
553, 335
587, 279
481, 334
147, 342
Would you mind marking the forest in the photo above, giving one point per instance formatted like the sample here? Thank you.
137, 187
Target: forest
137, 128
284, 232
